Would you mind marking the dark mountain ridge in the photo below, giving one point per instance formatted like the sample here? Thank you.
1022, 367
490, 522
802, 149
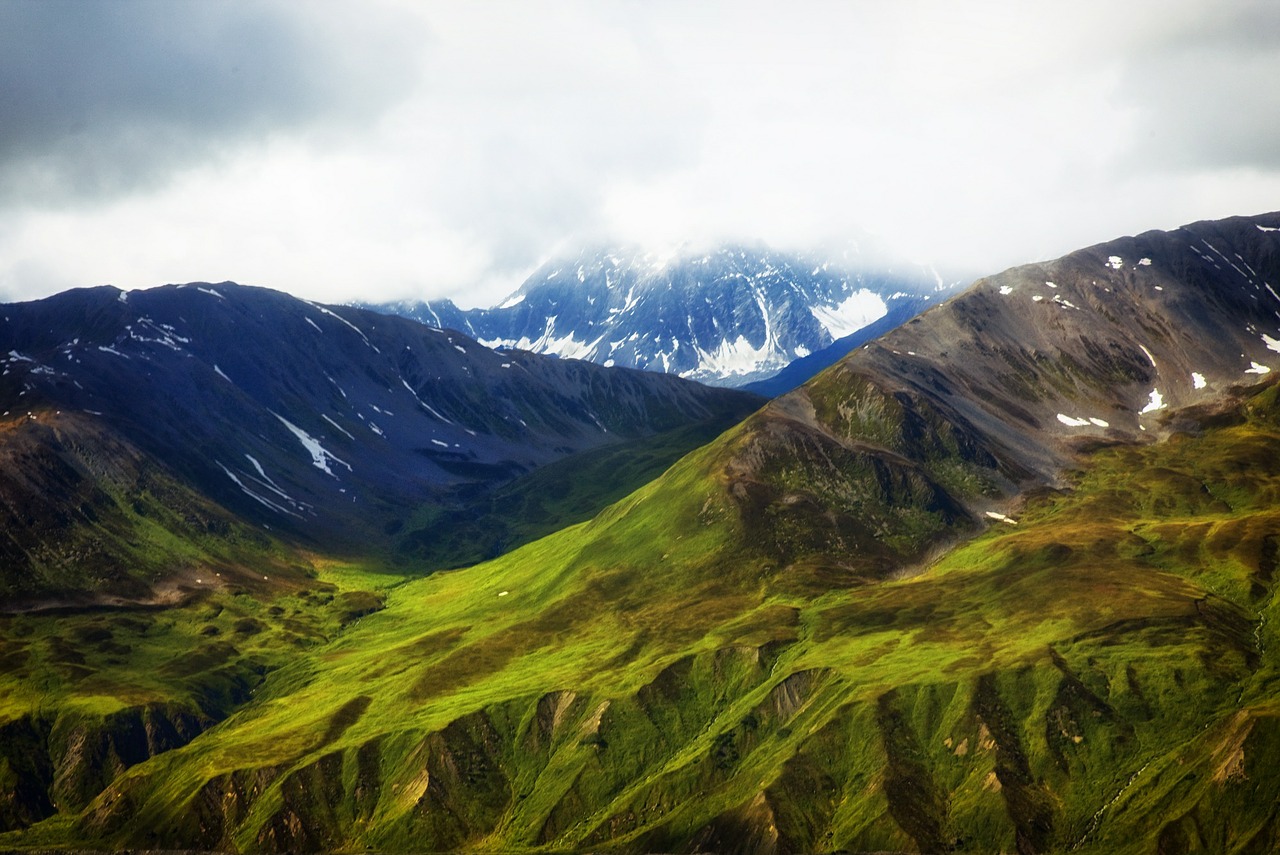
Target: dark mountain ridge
329, 424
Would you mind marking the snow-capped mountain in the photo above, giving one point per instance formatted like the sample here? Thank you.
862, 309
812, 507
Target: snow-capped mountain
728, 317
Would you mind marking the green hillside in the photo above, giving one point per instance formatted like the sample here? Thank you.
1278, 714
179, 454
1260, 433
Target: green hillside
676, 674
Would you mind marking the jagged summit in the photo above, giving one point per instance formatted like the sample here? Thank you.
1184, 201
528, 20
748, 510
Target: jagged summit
727, 316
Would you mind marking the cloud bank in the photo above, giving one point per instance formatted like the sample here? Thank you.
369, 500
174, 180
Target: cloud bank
342, 150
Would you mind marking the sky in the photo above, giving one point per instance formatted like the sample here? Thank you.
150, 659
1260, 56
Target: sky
387, 149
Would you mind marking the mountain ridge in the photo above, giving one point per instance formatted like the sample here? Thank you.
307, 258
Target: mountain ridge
327, 425
728, 316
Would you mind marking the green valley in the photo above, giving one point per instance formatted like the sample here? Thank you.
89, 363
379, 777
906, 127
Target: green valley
1097, 674
627, 428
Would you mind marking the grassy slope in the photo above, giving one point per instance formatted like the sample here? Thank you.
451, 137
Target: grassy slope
550, 498
1101, 675
87, 519
89, 693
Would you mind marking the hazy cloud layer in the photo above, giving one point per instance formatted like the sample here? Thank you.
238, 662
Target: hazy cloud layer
346, 150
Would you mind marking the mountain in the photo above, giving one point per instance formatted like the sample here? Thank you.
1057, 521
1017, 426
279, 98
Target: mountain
327, 426
1001, 580
805, 367
727, 317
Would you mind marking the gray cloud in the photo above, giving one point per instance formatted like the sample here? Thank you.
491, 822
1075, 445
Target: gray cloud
104, 98
1205, 92
347, 148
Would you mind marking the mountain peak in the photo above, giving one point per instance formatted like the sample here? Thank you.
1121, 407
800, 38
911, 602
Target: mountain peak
725, 315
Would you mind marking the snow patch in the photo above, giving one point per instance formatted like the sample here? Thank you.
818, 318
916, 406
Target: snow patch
1144, 262
338, 426
253, 495
258, 466
1037, 298
423, 403
514, 300
218, 371
1073, 421
320, 456
1156, 402
1271, 343
735, 358
1267, 228
164, 334
996, 515
1148, 354
1197, 380
860, 308
1257, 368
1006, 290
217, 294
1115, 262
314, 324
359, 331
565, 347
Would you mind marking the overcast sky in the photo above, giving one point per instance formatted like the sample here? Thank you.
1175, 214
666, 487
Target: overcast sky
365, 150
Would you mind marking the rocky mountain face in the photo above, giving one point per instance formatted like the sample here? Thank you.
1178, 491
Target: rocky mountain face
329, 425
919, 434
728, 317
1001, 580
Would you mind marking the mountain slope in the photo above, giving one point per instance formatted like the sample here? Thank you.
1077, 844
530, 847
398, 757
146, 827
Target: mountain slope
328, 426
726, 317
806, 367
906, 608
85, 517
1082, 679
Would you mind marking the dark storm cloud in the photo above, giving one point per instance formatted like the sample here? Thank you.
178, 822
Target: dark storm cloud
102, 98
1205, 93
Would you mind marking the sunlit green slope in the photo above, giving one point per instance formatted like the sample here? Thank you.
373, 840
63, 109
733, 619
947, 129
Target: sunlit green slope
1100, 676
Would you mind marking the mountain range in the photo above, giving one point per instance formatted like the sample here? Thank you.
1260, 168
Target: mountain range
1000, 580
330, 426
730, 316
